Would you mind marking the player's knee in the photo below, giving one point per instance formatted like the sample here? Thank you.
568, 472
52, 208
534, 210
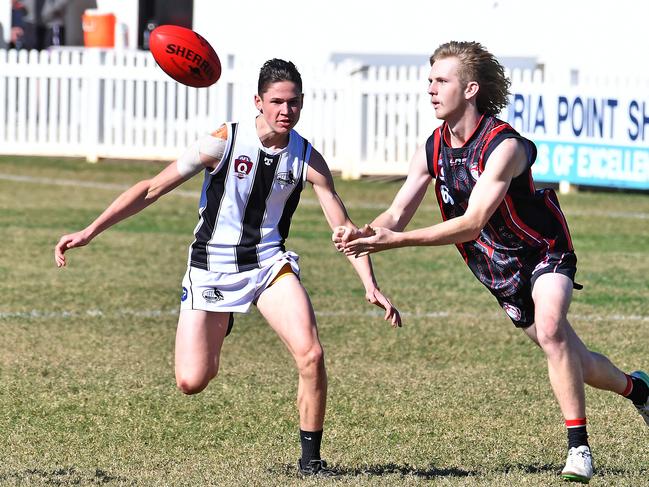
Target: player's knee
550, 331
189, 386
311, 361
189, 383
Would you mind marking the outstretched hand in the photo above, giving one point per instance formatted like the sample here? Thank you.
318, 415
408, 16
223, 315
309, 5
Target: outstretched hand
78, 239
364, 241
342, 238
376, 297
343, 235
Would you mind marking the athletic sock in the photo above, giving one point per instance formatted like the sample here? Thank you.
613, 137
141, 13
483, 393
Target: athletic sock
577, 435
636, 390
310, 441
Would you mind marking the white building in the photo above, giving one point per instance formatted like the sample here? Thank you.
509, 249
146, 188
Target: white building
587, 108
584, 35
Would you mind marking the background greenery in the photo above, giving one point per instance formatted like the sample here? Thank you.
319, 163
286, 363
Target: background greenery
455, 397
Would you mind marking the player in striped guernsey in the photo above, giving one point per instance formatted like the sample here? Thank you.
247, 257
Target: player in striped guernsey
254, 173
514, 238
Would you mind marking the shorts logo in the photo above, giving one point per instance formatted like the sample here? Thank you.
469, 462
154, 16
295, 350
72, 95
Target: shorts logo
539, 266
513, 312
285, 178
212, 295
242, 166
183, 295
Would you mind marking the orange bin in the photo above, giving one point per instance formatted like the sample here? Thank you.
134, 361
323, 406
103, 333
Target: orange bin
98, 28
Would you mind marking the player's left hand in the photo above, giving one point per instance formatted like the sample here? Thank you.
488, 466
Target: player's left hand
380, 239
67, 242
377, 298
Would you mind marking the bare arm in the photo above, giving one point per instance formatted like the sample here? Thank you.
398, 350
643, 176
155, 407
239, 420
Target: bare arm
319, 176
141, 195
507, 161
409, 197
403, 207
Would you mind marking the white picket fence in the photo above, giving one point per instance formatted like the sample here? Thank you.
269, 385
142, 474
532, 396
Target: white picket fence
98, 103
105, 103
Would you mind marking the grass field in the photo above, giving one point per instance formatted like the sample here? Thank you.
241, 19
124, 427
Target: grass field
455, 397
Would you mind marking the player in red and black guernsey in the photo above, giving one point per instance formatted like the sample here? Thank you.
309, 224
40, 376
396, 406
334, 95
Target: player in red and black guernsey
514, 238
254, 172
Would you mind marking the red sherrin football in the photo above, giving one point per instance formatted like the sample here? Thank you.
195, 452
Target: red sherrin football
185, 55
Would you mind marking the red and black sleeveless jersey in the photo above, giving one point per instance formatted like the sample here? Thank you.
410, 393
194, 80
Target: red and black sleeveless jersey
528, 224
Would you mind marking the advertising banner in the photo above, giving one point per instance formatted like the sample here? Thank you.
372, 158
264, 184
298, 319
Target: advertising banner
583, 138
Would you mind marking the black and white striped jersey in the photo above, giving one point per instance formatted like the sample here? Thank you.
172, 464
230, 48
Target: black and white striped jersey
247, 202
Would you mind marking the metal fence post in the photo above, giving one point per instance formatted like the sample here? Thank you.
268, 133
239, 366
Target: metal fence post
353, 123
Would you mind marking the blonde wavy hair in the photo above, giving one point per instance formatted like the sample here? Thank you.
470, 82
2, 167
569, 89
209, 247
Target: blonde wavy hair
479, 65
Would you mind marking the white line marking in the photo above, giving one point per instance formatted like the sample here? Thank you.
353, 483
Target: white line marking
611, 214
156, 313
304, 201
84, 184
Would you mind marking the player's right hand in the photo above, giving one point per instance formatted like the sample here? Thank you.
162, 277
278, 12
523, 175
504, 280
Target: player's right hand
70, 241
342, 235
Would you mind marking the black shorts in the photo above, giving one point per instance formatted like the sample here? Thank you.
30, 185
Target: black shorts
230, 324
520, 306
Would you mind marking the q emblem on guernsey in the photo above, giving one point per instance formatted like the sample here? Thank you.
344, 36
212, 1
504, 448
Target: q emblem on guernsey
242, 166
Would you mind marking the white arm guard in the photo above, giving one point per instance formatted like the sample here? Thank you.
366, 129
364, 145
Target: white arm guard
191, 163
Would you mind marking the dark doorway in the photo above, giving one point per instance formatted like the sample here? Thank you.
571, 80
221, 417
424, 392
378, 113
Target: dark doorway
159, 12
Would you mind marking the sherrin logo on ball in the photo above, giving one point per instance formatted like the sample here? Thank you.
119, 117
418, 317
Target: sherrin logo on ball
185, 56
200, 64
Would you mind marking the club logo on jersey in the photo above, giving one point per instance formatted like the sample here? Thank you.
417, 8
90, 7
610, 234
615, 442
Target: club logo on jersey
285, 178
242, 166
512, 311
183, 295
475, 174
212, 295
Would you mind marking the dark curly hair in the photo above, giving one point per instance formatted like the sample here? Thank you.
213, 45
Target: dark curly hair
479, 65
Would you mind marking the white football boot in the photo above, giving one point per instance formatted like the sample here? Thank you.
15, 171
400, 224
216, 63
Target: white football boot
579, 465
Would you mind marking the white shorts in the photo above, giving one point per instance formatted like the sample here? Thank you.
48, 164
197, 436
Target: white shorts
234, 292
